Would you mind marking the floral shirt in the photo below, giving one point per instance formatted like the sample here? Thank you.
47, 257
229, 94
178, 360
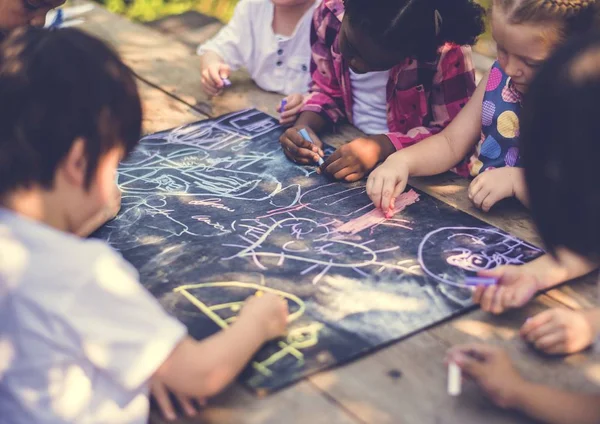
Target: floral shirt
423, 97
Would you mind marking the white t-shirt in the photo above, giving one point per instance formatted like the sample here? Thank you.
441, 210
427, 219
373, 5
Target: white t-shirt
369, 97
275, 63
79, 335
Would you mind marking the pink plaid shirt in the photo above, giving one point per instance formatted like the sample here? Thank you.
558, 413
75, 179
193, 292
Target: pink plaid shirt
423, 97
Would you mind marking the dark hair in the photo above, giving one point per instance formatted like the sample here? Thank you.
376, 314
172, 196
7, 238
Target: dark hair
575, 17
56, 86
412, 25
560, 147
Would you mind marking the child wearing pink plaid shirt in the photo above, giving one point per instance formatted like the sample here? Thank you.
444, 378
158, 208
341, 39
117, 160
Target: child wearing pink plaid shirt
397, 71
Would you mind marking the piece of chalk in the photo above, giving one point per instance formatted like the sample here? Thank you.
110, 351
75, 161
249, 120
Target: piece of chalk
259, 293
454, 379
283, 105
305, 136
226, 82
480, 281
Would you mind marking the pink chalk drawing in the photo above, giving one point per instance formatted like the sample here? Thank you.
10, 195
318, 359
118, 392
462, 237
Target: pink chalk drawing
377, 217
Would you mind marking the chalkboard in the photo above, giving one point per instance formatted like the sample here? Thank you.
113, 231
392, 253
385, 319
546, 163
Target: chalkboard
213, 212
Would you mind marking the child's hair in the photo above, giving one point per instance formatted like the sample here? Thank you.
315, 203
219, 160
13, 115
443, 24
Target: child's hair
574, 17
57, 86
561, 148
418, 28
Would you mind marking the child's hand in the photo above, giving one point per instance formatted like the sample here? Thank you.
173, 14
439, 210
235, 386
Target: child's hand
491, 369
212, 77
299, 150
559, 331
160, 392
386, 183
269, 311
291, 110
354, 160
514, 289
494, 185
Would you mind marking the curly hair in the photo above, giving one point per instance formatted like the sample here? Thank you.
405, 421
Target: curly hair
418, 28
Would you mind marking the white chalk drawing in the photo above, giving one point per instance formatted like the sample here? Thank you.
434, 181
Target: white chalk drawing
470, 249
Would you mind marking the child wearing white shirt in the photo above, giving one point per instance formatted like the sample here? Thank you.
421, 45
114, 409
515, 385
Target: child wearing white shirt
80, 338
271, 39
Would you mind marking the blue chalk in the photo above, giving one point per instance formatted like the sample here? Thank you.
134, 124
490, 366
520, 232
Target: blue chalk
283, 105
58, 19
480, 281
305, 136
226, 82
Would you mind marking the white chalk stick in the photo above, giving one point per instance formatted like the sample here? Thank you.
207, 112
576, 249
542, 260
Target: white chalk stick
454, 379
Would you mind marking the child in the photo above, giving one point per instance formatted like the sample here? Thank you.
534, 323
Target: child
526, 32
270, 38
18, 13
395, 71
80, 337
561, 105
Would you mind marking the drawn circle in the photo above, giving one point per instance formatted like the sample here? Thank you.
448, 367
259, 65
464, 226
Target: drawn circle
490, 148
475, 167
487, 113
508, 124
449, 254
511, 156
494, 79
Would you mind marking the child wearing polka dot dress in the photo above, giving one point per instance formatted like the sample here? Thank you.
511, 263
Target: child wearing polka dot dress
486, 131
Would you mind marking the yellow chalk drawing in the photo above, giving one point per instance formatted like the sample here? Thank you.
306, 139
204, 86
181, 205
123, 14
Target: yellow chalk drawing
296, 339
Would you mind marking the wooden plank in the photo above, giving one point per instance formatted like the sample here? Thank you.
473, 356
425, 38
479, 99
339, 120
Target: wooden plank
300, 404
406, 382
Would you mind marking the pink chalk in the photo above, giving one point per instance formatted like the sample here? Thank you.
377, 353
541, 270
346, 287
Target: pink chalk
376, 216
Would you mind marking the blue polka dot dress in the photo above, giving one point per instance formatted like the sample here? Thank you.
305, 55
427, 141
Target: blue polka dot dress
499, 144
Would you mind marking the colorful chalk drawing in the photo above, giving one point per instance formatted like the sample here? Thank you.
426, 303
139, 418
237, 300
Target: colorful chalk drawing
470, 249
295, 340
213, 212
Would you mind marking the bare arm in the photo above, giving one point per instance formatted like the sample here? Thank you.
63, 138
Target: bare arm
203, 368
549, 272
555, 406
442, 151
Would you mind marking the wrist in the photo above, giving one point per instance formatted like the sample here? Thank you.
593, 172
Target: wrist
253, 324
386, 147
523, 390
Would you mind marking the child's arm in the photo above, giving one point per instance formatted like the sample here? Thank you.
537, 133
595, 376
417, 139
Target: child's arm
229, 49
517, 285
324, 104
434, 155
203, 368
491, 369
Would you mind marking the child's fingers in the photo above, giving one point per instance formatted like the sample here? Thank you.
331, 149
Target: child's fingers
186, 405
480, 196
354, 177
376, 188
540, 332
490, 201
161, 396
214, 76
522, 293
224, 71
287, 121
474, 188
389, 186
345, 172
497, 301
535, 322
291, 113
487, 300
478, 294
548, 341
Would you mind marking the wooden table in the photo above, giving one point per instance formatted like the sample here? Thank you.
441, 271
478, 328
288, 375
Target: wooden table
404, 382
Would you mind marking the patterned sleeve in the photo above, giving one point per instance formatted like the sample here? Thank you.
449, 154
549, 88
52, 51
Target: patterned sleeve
452, 87
325, 93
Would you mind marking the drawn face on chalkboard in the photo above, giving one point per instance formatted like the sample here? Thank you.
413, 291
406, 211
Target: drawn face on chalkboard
449, 254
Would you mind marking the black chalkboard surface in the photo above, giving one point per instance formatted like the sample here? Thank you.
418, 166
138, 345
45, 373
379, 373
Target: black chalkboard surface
213, 212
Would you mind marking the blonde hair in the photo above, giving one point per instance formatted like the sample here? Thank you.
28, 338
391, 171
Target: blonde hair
574, 17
